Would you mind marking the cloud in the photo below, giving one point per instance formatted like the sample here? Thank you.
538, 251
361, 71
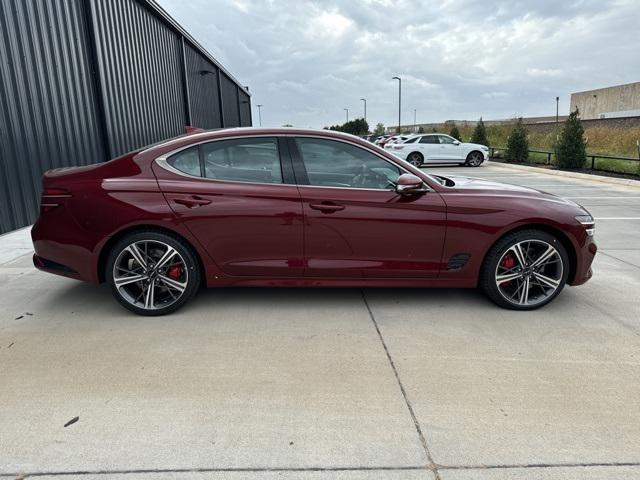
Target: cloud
307, 60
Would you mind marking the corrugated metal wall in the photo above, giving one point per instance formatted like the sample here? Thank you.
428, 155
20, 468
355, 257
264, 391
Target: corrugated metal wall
203, 90
48, 114
82, 81
229, 101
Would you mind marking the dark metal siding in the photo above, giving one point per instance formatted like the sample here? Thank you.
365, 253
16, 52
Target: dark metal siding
83, 81
47, 101
203, 90
245, 109
229, 102
140, 61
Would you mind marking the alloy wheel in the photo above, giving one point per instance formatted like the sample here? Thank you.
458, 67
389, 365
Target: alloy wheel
415, 159
475, 159
529, 272
150, 274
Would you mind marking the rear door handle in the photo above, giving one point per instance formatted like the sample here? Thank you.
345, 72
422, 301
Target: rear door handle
191, 202
326, 207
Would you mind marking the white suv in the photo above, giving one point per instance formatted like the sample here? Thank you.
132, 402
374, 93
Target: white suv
439, 148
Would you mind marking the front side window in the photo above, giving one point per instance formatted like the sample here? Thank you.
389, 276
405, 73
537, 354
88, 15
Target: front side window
331, 163
243, 160
446, 140
187, 161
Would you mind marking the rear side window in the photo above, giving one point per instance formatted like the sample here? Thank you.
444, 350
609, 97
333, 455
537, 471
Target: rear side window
429, 139
187, 161
243, 160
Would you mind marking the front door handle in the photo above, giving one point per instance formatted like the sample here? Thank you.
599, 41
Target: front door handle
193, 201
327, 207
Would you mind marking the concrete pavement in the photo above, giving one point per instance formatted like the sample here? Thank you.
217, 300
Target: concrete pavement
331, 384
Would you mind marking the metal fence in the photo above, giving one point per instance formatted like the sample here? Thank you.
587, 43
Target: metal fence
83, 81
596, 162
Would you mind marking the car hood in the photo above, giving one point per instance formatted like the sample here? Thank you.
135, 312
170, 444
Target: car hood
479, 186
475, 145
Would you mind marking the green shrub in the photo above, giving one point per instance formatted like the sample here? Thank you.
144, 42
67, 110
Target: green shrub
571, 150
517, 143
479, 135
455, 133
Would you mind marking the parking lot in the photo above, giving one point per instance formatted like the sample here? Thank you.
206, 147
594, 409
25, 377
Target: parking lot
331, 383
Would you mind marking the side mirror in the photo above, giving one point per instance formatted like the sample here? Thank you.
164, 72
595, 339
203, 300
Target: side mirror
409, 184
456, 142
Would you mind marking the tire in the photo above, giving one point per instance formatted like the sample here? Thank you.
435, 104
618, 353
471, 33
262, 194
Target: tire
144, 285
504, 284
416, 159
474, 159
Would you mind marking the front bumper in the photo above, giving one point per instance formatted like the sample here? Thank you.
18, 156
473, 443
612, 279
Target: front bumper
585, 256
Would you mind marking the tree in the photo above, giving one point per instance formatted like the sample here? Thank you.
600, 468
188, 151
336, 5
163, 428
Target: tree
571, 151
379, 130
420, 129
359, 126
479, 135
455, 133
517, 143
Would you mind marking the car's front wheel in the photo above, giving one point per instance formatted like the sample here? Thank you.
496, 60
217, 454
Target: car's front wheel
525, 270
152, 273
474, 159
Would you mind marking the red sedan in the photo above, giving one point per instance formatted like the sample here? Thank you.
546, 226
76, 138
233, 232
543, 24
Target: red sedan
286, 207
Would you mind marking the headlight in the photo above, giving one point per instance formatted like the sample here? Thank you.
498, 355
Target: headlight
588, 222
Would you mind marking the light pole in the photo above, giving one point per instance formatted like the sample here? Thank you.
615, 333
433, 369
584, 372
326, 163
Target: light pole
347, 110
365, 108
414, 120
557, 108
259, 113
399, 101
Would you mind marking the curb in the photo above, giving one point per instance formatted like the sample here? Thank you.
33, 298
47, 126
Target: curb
561, 173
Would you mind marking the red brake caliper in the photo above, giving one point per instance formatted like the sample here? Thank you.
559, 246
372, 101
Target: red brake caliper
508, 262
174, 272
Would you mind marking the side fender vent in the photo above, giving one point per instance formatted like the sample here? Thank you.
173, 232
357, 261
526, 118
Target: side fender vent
458, 261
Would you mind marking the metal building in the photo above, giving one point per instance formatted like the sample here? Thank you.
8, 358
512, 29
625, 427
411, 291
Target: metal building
84, 81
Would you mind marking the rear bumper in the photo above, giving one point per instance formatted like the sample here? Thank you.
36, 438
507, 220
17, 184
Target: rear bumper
584, 260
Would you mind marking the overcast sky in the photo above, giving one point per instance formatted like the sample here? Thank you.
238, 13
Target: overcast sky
306, 61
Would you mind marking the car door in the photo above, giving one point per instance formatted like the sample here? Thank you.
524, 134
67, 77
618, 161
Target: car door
450, 151
239, 199
429, 146
356, 225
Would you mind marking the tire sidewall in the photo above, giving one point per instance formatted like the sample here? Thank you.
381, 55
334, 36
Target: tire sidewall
468, 161
488, 283
183, 249
421, 159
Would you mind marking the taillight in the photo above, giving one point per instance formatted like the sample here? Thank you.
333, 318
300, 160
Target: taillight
51, 198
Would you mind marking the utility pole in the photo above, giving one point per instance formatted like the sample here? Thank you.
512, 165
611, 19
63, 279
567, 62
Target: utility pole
557, 109
365, 108
347, 110
399, 101
259, 113
414, 121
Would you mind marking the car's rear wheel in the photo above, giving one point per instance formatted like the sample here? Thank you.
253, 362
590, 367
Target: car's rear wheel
152, 273
474, 159
416, 159
525, 270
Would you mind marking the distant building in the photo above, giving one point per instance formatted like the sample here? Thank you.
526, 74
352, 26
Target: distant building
609, 102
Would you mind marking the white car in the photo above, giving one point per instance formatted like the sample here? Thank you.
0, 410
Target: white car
395, 139
439, 148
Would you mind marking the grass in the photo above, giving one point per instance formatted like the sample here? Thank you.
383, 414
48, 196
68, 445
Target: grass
613, 142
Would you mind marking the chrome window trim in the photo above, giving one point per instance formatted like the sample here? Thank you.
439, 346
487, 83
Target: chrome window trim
162, 161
